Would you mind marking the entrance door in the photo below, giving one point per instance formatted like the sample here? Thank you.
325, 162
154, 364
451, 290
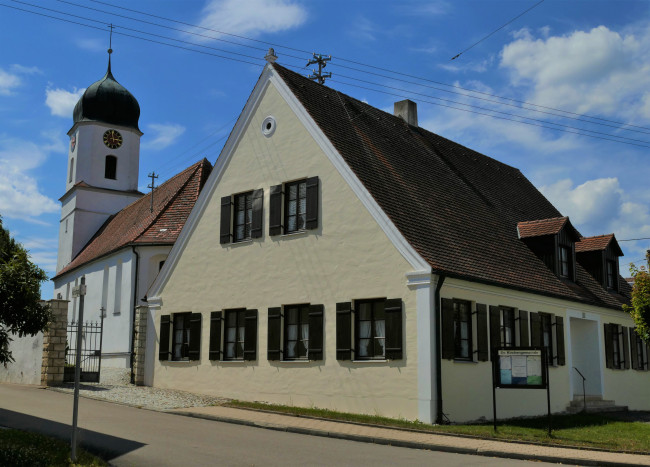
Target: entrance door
585, 350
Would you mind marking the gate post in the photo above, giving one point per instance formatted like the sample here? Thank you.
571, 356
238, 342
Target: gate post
140, 344
54, 343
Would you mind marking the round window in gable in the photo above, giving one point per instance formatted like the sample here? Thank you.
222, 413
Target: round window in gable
268, 126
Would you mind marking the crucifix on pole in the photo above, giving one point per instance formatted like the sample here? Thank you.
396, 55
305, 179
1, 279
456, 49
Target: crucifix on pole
153, 178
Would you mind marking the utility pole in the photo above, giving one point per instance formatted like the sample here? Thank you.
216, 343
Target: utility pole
153, 178
322, 63
77, 291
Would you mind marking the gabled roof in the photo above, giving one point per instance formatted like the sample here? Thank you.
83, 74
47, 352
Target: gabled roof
456, 207
538, 228
137, 225
598, 243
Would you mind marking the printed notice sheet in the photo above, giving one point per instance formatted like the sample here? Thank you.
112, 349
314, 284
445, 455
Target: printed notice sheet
520, 368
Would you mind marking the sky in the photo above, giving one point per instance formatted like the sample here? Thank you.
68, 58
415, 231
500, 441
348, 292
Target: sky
576, 72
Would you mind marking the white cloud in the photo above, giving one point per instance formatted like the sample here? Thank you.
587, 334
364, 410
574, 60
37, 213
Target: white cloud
25, 70
596, 71
600, 206
251, 18
62, 102
8, 82
163, 135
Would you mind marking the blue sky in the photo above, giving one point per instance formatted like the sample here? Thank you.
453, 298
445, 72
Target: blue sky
588, 59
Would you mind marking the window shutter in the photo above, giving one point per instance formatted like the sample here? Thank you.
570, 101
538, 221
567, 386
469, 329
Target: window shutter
275, 208
634, 349
609, 352
559, 338
495, 329
215, 336
393, 310
312, 203
535, 330
626, 347
482, 332
344, 331
194, 348
274, 340
315, 351
523, 329
448, 347
250, 335
258, 213
163, 351
226, 220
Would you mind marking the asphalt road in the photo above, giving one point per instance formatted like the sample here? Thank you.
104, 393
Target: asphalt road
131, 436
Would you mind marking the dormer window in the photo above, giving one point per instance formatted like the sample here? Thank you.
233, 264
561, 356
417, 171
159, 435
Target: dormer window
110, 167
565, 254
610, 274
599, 256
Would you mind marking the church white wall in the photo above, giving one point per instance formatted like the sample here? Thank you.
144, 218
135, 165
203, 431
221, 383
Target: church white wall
348, 257
90, 152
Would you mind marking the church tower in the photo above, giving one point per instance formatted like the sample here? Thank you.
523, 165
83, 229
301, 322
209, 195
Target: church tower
103, 163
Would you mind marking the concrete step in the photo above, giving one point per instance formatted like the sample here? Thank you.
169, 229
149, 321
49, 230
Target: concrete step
601, 409
592, 403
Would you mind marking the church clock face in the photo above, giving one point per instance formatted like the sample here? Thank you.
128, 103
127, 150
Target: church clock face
112, 139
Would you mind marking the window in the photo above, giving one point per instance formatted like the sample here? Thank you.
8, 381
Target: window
611, 275
617, 346
183, 332
639, 351
160, 265
507, 327
377, 329
547, 330
457, 329
71, 170
565, 254
239, 335
295, 332
243, 221
294, 207
234, 335
546, 338
110, 167
243, 217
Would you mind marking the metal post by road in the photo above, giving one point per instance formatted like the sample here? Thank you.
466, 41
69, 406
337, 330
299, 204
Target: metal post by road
80, 291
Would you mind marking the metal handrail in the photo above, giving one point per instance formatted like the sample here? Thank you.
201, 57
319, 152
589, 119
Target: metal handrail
584, 394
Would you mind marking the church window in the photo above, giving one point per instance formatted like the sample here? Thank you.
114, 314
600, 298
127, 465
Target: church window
71, 170
110, 167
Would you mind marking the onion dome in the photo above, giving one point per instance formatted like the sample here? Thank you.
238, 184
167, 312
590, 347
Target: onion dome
107, 101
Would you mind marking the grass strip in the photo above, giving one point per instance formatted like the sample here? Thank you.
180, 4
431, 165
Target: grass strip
20, 448
593, 431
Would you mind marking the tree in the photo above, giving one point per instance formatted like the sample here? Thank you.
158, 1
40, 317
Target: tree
640, 308
20, 292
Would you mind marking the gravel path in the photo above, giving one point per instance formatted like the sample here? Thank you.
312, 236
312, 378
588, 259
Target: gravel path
114, 386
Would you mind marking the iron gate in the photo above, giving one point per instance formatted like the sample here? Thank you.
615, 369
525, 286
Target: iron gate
91, 351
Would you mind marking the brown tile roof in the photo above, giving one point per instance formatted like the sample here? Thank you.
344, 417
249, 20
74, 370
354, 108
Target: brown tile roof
541, 227
597, 243
136, 225
458, 208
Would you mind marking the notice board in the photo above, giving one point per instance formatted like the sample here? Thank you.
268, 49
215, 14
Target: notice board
520, 368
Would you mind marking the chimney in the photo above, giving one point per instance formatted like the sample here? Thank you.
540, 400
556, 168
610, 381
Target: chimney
408, 110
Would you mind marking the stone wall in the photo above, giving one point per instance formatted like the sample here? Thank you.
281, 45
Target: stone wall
54, 343
140, 344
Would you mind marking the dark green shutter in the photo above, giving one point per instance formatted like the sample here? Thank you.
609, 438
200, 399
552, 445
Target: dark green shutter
523, 329
275, 210
535, 330
495, 329
315, 351
163, 351
609, 352
226, 221
393, 310
274, 340
482, 332
344, 331
634, 349
626, 348
250, 335
258, 213
312, 203
559, 339
448, 346
194, 347
215, 336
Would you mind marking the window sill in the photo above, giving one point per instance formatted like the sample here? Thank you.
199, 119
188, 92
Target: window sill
297, 233
242, 242
181, 362
373, 360
295, 361
232, 361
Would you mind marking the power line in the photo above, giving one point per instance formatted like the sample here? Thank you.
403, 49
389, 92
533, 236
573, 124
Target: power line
374, 66
634, 239
496, 30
